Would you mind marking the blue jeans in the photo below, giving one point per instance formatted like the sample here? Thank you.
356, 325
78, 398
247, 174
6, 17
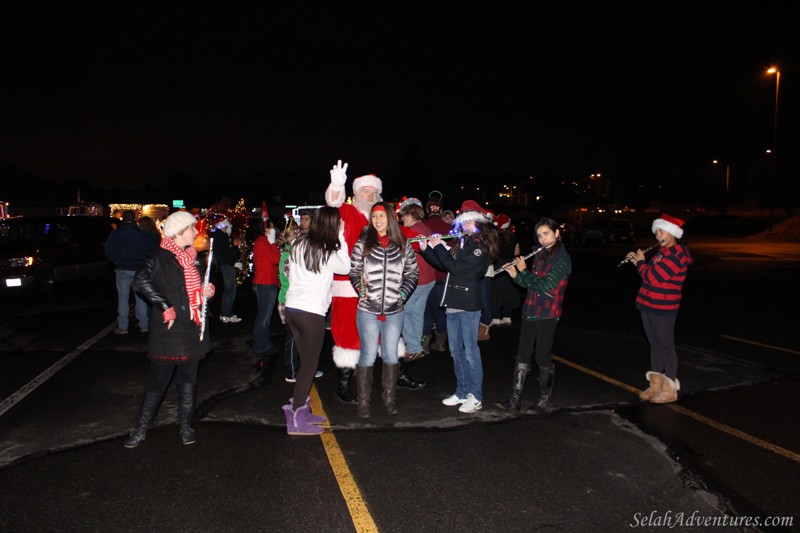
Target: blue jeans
414, 316
266, 296
433, 313
462, 328
124, 287
229, 294
371, 330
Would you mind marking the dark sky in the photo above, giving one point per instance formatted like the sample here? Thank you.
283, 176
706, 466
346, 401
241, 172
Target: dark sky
131, 93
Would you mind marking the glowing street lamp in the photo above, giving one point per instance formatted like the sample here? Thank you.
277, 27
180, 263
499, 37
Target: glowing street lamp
774, 70
727, 177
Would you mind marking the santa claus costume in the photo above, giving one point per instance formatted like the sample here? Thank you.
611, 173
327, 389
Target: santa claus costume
344, 303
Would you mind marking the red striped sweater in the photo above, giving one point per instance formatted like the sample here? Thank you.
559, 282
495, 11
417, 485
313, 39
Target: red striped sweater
662, 280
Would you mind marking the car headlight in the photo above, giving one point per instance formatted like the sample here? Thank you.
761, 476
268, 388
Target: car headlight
22, 262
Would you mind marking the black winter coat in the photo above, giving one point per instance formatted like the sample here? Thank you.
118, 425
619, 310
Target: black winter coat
161, 282
465, 272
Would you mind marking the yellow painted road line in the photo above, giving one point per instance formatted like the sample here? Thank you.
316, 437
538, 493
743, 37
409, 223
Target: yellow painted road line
362, 519
754, 343
774, 448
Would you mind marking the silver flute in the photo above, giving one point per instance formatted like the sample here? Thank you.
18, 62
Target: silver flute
628, 259
512, 263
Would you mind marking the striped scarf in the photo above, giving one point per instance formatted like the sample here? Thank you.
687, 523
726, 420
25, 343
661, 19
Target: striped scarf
194, 287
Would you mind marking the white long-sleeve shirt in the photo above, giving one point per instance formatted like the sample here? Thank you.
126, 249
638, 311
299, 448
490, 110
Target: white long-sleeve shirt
309, 291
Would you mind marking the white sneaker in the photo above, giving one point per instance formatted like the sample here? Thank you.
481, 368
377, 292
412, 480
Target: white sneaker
233, 319
450, 401
496, 322
506, 320
470, 405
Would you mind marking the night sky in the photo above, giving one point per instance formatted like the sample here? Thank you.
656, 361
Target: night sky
128, 95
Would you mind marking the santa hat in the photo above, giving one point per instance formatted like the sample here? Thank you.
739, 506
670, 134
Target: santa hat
672, 225
177, 222
502, 221
370, 180
472, 211
222, 224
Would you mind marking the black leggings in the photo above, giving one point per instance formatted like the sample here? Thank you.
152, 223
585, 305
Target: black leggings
660, 332
538, 333
161, 375
308, 330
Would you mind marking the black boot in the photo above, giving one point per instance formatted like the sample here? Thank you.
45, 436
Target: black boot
515, 401
440, 343
343, 392
364, 389
266, 365
389, 381
147, 413
186, 401
546, 376
405, 381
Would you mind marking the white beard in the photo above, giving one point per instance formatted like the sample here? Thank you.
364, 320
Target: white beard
363, 206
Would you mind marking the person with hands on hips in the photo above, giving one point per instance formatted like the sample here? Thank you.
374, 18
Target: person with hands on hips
170, 280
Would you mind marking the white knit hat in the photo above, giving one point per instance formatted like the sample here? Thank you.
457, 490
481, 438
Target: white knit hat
177, 222
370, 180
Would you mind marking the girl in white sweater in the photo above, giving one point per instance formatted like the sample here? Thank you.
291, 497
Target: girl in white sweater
314, 258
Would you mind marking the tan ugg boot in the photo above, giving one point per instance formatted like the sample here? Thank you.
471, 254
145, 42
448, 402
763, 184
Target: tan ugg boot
483, 332
669, 391
655, 379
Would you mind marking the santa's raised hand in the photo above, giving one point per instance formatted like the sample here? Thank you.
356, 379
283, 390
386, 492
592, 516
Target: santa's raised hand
339, 175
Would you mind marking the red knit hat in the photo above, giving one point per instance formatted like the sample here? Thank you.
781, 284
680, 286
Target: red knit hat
670, 224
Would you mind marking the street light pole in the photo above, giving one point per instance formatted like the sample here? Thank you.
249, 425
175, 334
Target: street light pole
774, 70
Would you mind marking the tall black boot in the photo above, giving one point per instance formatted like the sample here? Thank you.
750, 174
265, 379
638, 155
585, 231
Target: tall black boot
343, 392
186, 402
147, 413
364, 389
389, 381
405, 381
515, 401
546, 376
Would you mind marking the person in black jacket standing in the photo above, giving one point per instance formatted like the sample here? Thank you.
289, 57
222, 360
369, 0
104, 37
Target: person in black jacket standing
466, 263
171, 281
126, 248
226, 255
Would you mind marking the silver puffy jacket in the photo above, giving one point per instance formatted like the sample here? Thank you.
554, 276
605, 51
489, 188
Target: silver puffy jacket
385, 278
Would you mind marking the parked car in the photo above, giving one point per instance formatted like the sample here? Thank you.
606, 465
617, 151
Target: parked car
608, 232
43, 251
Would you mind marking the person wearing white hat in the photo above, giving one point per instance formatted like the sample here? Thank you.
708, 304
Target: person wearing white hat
658, 301
170, 280
226, 255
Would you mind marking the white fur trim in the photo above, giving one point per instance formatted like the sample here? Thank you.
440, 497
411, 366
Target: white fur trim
343, 289
345, 357
469, 216
669, 227
330, 192
370, 180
